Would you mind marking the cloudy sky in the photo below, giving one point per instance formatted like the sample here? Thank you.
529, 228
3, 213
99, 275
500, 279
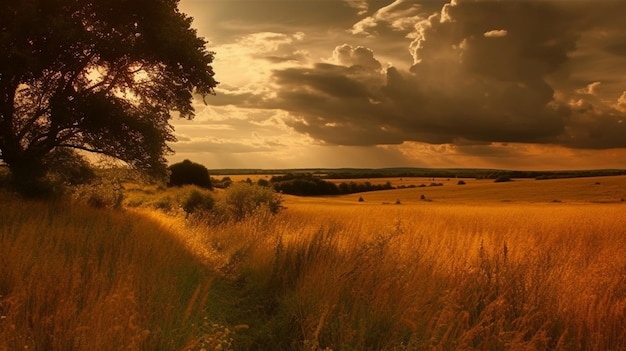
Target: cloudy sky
514, 84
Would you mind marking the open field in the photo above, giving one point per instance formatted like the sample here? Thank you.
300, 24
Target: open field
465, 271
481, 266
476, 192
579, 190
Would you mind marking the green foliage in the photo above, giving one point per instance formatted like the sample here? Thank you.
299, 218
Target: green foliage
310, 185
241, 200
353, 187
223, 183
68, 167
163, 203
197, 200
189, 173
303, 185
60, 168
99, 76
103, 193
105, 190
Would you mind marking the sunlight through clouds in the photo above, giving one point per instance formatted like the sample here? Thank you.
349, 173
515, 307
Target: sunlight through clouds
447, 83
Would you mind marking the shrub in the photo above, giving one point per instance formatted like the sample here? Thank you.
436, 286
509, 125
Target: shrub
242, 199
197, 200
224, 183
68, 167
502, 178
163, 203
191, 173
102, 194
303, 185
461, 182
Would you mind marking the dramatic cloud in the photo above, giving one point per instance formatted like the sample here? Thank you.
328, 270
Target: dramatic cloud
348, 56
477, 81
360, 5
400, 15
469, 82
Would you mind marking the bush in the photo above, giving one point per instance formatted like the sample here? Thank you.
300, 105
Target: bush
224, 183
303, 185
68, 167
103, 193
461, 182
189, 173
502, 179
197, 200
164, 204
242, 199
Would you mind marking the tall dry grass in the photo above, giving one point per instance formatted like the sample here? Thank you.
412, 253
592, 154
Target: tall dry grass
320, 275
515, 277
76, 278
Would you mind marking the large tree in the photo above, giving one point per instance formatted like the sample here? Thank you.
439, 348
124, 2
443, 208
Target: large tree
103, 76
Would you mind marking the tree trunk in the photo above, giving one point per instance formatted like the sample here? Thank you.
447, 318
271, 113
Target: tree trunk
28, 176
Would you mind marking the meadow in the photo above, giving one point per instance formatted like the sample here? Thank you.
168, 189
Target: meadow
522, 265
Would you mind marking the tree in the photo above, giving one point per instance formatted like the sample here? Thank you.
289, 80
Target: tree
188, 172
102, 76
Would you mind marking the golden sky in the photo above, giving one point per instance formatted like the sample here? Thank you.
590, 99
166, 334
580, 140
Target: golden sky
515, 84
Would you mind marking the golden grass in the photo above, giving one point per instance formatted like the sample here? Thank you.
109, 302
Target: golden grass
577, 190
77, 278
484, 266
438, 276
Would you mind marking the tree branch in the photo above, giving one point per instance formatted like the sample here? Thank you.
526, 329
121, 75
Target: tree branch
84, 148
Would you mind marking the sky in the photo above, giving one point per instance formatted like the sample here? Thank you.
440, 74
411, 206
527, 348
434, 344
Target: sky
510, 84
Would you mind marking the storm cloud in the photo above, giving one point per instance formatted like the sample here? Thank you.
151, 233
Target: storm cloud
484, 82
482, 72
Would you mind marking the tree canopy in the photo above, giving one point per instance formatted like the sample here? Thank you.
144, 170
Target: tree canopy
97, 75
188, 172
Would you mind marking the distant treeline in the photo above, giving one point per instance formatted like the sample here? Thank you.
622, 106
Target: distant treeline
315, 183
469, 173
311, 185
478, 173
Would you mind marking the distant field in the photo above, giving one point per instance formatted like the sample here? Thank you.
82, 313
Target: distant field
608, 189
575, 190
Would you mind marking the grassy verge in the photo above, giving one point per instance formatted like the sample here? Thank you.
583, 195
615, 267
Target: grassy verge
76, 278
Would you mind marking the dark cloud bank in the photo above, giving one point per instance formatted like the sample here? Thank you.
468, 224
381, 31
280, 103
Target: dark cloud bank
484, 71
